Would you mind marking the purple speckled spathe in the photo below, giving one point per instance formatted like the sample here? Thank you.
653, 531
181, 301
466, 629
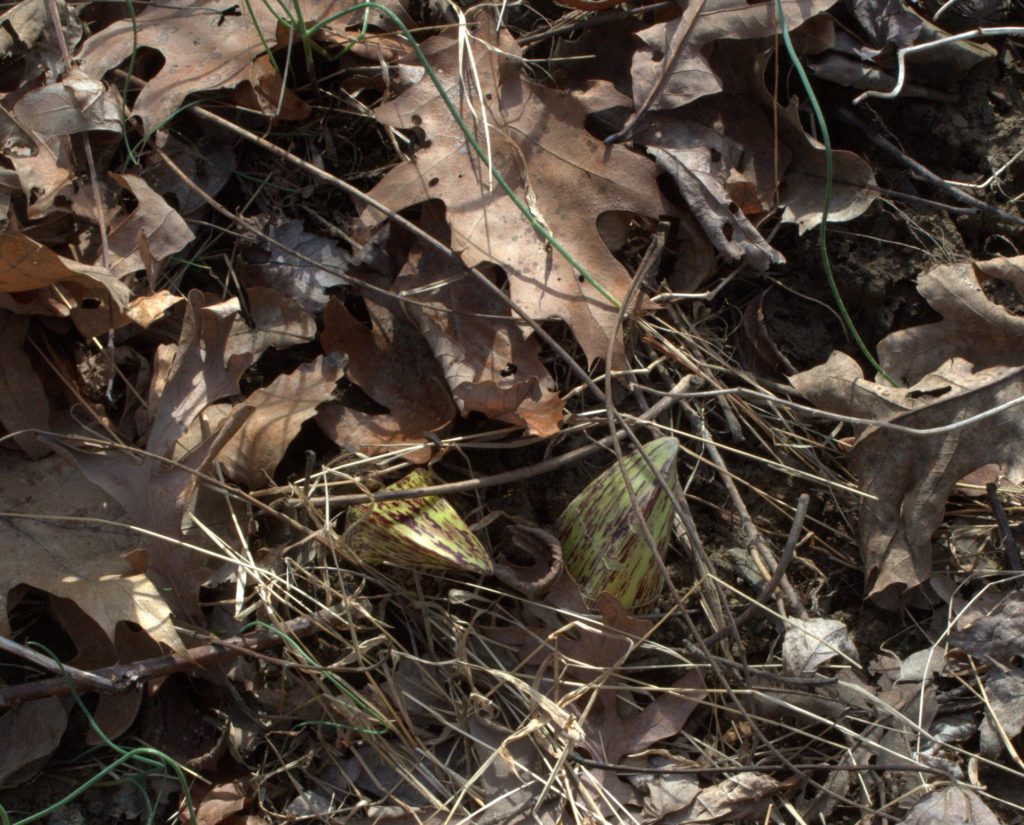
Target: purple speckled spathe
417, 533
603, 544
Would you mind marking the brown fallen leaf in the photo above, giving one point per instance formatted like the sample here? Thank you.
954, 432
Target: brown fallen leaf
274, 321
78, 560
1004, 710
76, 103
908, 479
811, 643
280, 409
998, 634
950, 804
536, 139
305, 283
692, 76
44, 168
742, 797
973, 327
490, 365
195, 372
699, 160
23, 401
393, 365
204, 47
153, 230
31, 732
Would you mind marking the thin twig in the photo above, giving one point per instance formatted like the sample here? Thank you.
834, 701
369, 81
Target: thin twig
125, 678
1009, 543
84, 677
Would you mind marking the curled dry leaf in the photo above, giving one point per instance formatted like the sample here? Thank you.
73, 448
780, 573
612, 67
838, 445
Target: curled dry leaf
742, 797
535, 138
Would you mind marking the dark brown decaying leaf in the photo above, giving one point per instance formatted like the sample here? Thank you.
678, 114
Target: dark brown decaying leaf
23, 402
280, 409
31, 732
950, 804
536, 140
394, 366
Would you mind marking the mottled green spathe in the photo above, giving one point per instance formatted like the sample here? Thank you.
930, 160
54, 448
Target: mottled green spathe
416, 533
603, 546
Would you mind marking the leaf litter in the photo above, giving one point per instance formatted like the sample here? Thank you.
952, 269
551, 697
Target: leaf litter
198, 399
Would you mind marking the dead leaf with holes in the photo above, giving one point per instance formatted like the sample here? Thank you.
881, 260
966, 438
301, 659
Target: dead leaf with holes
535, 138
205, 44
490, 365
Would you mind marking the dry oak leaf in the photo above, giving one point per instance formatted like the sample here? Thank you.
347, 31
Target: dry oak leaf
973, 327
536, 139
692, 76
205, 46
907, 479
48, 546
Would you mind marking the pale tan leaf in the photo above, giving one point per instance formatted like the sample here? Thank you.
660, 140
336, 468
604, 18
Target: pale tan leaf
204, 45
951, 804
153, 222
692, 76
77, 103
811, 643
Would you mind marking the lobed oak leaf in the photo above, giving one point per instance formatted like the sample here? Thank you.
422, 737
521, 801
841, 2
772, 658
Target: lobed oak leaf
535, 138
205, 46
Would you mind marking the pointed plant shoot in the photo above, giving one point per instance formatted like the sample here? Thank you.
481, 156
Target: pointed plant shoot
603, 544
416, 533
